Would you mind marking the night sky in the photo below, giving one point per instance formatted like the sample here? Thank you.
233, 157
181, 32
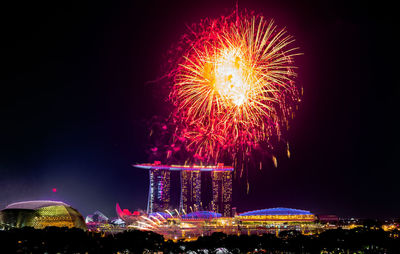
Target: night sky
76, 96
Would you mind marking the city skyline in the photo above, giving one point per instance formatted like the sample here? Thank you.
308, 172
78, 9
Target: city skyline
81, 84
191, 190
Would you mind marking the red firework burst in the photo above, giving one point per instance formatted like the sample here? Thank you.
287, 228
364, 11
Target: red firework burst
233, 87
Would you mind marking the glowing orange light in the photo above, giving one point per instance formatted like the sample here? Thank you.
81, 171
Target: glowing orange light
230, 81
233, 88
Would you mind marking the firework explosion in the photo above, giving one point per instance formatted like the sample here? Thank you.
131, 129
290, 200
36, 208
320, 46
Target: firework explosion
233, 88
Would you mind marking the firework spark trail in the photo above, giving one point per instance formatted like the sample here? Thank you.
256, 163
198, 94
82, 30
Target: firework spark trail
233, 87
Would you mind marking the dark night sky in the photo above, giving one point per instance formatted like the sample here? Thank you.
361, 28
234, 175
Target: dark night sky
75, 99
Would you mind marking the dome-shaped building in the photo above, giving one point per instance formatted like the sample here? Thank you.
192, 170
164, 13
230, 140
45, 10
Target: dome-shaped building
40, 214
279, 214
201, 215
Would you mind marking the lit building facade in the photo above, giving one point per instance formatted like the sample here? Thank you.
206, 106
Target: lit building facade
222, 192
190, 199
190, 193
258, 222
277, 215
40, 214
159, 190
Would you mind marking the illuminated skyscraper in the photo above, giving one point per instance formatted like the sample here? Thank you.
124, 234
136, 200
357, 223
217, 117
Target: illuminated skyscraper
222, 192
159, 190
190, 197
190, 190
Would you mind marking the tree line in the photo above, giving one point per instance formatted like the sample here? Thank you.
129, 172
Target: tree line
65, 240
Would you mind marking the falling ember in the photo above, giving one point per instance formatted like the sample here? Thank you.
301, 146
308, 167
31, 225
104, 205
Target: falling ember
54, 190
275, 161
233, 88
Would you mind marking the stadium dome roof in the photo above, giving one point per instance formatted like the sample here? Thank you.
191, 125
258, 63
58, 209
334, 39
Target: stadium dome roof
35, 204
40, 214
276, 211
201, 215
